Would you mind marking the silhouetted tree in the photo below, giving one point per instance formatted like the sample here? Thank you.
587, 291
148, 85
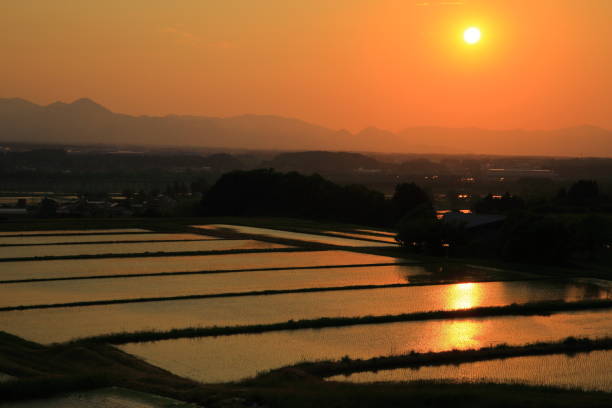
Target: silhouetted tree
267, 192
536, 238
430, 235
494, 205
408, 197
591, 233
583, 192
200, 185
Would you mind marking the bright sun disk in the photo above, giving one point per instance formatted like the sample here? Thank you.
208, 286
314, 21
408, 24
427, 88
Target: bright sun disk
471, 35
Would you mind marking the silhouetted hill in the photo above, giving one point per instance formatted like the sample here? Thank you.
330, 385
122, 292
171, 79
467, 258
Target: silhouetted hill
86, 122
326, 162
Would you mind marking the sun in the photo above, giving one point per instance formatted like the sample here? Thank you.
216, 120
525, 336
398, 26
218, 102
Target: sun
471, 35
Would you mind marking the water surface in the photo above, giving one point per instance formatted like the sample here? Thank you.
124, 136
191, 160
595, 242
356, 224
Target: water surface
232, 358
354, 303
69, 239
133, 248
376, 232
299, 236
364, 236
59, 268
65, 291
63, 324
89, 231
588, 371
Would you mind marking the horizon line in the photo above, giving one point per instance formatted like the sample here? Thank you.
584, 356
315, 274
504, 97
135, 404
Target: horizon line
342, 129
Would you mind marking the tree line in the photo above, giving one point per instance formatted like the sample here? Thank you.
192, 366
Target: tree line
266, 192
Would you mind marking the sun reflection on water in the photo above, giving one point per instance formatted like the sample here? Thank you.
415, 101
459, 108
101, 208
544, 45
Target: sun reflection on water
459, 335
464, 296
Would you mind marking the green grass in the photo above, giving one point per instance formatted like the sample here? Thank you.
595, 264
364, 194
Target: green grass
527, 309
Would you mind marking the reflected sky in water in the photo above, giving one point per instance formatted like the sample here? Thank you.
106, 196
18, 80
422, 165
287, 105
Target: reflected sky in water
590, 371
62, 324
236, 357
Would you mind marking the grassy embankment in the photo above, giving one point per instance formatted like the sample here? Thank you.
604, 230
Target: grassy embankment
527, 309
156, 254
414, 360
89, 365
204, 272
143, 241
50, 370
176, 225
265, 292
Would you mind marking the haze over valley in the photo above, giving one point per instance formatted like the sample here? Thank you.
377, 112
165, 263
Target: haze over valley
87, 122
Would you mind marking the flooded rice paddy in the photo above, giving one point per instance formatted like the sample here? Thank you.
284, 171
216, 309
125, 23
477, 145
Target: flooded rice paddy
232, 358
132, 248
376, 232
588, 371
69, 232
364, 236
71, 239
31, 293
391, 300
72, 268
67, 323
298, 236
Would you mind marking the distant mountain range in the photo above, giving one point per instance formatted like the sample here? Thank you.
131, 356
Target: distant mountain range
86, 122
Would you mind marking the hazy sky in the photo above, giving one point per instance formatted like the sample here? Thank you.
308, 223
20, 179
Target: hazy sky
339, 63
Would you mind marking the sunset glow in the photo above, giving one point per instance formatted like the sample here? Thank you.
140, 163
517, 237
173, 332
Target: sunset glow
270, 203
463, 295
471, 35
392, 64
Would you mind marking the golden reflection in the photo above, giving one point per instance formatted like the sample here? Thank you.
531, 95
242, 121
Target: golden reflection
463, 296
459, 335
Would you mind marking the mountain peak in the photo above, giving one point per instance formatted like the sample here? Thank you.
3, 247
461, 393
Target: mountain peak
373, 130
17, 102
88, 104
80, 106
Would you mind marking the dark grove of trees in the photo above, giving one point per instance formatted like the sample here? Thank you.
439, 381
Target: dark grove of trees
573, 226
268, 192
553, 239
498, 205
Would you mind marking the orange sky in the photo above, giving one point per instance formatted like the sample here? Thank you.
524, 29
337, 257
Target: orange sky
341, 63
